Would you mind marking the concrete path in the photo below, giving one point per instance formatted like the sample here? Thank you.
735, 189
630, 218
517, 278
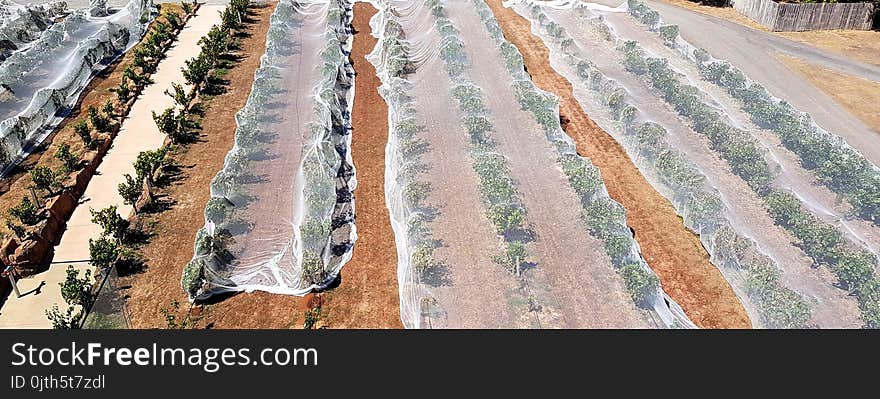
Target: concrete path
138, 133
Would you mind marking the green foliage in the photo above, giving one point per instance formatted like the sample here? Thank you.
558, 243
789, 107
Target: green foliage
45, 179
148, 162
82, 129
75, 290
640, 283
416, 192
312, 316
98, 120
111, 223
422, 259
179, 94
26, 212
130, 190
109, 109
103, 252
68, 320
313, 268
514, 255
68, 160
172, 319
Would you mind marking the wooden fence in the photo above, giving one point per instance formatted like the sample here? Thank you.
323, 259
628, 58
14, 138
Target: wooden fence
814, 16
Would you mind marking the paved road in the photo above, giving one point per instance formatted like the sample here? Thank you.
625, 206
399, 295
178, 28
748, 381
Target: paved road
707, 27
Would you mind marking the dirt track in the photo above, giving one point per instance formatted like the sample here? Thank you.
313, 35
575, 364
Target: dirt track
367, 296
673, 251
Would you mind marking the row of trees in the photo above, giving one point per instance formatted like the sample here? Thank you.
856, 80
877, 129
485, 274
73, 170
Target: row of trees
604, 218
108, 249
702, 205
822, 242
838, 166
503, 202
853, 266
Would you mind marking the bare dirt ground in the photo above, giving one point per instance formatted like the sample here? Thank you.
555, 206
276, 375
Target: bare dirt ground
862, 46
367, 296
97, 92
858, 96
673, 251
173, 231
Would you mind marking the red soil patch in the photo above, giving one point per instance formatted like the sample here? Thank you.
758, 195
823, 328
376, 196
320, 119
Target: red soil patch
367, 296
672, 251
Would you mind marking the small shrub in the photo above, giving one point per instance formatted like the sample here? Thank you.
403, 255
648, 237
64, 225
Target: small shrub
26, 212
64, 321
45, 179
111, 223
98, 120
75, 290
82, 129
130, 190
103, 252
69, 161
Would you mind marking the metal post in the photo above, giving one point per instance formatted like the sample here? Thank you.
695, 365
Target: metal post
9, 272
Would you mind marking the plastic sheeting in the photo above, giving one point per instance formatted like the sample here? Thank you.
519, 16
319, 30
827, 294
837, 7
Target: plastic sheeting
280, 217
20, 25
38, 83
498, 222
775, 280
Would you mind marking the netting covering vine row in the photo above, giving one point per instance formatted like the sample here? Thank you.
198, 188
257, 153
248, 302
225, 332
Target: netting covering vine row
280, 217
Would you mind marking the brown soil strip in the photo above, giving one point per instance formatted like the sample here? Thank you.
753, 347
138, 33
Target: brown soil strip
367, 296
173, 230
97, 92
858, 96
673, 251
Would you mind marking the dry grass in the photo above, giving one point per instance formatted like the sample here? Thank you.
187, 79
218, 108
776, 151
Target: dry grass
858, 96
862, 46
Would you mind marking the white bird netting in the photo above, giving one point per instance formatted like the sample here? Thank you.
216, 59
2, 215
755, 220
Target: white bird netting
498, 221
51, 63
280, 217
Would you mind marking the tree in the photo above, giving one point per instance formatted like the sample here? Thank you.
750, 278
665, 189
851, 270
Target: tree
68, 160
111, 223
196, 71
179, 94
109, 108
130, 190
64, 321
75, 290
99, 121
45, 179
174, 20
82, 129
103, 252
26, 212
168, 124
171, 320
148, 162
123, 93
